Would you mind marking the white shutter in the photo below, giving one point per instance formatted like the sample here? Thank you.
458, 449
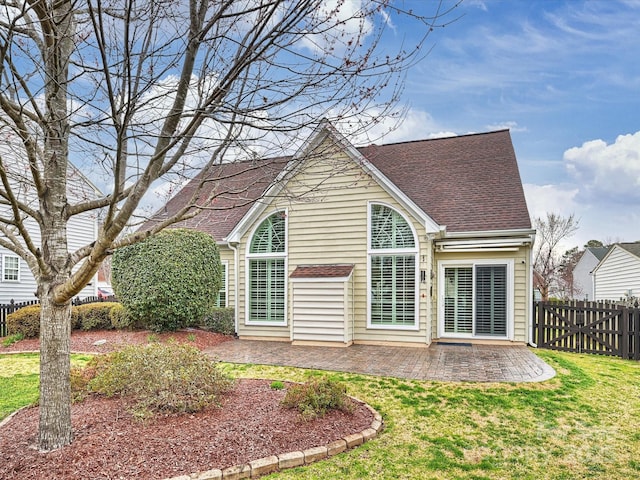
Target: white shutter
458, 301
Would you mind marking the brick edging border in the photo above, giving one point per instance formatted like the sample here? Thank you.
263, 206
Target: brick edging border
274, 463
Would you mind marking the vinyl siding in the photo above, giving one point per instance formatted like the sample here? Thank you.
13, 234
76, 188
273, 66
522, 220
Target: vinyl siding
521, 283
582, 278
327, 213
320, 311
618, 273
81, 230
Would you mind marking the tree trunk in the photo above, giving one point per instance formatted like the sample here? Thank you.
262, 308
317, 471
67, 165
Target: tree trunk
55, 365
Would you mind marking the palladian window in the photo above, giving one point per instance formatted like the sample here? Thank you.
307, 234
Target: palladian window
393, 269
266, 265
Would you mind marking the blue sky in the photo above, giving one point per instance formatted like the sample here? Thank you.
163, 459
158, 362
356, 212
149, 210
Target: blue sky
564, 76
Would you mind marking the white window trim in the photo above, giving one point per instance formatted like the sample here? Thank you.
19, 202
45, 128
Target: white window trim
252, 256
4, 263
225, 264
509, 263
386, 251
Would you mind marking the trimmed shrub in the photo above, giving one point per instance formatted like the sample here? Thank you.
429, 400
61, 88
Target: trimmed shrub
159, 377
315, 398
94, 316
221, 320
120, 318
25, 321
170, 280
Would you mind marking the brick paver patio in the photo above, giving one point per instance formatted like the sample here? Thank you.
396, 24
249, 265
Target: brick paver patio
442, 362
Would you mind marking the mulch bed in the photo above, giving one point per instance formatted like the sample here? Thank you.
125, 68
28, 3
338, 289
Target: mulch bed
110, 444
82, 341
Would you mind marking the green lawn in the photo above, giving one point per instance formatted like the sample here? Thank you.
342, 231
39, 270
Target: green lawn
19, 381
581, 424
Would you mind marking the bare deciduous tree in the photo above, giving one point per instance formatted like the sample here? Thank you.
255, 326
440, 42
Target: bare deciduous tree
140, 92
548, 265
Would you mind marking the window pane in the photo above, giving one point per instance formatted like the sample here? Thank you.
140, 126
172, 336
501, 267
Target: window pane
266, 290
389, 229
458, 299
270, 235
393, 290
491, 300
221, 300
11, 268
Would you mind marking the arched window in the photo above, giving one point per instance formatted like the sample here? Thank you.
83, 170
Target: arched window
392, 269
266, 272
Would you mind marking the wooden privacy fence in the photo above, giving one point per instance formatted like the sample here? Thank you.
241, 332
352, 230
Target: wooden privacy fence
7, 308
588, 327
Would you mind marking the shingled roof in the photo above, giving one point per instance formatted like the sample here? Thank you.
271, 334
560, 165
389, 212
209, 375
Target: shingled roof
238, 186
468, 183
631, 247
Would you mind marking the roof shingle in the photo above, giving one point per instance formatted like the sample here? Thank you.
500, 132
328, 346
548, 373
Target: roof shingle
468, 183
322, 271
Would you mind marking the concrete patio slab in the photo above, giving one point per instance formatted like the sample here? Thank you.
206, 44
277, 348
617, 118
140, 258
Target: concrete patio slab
441, 361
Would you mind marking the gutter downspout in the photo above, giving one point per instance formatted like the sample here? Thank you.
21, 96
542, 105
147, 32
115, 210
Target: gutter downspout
530, 292
234, 247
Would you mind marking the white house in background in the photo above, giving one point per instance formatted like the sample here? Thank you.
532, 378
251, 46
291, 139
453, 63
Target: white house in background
16, 280
582, 272
618, 273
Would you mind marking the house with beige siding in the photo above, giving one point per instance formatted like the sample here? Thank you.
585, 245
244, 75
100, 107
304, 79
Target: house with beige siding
406, 243
617, 276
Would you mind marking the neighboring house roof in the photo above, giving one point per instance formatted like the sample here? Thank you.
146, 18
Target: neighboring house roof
598, 252
633, 248
466, 183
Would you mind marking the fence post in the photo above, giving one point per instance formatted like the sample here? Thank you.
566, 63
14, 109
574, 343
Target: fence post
635, 317
540, 319
624, 341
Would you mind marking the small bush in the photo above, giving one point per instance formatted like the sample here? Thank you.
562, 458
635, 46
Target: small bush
221, 320
25, 321
315, 398
11, 339
120, 318
160, 377
277, 385
94, 316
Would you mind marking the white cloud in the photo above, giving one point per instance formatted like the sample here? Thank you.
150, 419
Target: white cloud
550, 198
337, 25
509, 125
607, 173
413, 125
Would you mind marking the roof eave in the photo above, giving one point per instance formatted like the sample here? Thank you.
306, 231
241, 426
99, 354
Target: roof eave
511, 232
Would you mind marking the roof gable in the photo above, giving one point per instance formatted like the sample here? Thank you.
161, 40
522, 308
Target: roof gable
468, 183
630, 248
598, 252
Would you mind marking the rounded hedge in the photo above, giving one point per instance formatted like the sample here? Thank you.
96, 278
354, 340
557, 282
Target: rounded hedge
169, 280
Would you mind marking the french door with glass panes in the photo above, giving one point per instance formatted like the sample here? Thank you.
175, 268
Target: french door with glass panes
475, 300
